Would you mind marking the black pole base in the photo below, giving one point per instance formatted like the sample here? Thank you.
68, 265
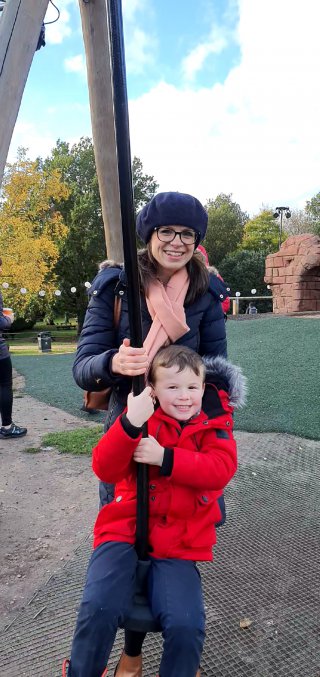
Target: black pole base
141, 619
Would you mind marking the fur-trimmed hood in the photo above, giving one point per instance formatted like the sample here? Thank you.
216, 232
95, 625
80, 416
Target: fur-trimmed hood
227, 376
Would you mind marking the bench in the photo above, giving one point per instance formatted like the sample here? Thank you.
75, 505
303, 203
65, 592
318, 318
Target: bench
65, 326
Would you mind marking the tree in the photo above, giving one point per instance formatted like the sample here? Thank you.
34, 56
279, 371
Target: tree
85, 245
225, 227
313, 211
32, 231
300, 222
144, 186
243, 271
261, 234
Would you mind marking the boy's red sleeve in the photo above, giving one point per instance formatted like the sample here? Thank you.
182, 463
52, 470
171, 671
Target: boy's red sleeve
210, 468
112, 457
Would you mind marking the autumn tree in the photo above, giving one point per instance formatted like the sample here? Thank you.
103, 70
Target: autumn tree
225, 227
261, 233
32, 232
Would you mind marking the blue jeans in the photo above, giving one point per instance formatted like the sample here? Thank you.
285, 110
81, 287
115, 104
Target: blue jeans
175, 597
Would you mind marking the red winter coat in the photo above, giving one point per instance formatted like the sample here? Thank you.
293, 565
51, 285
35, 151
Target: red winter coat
183, 507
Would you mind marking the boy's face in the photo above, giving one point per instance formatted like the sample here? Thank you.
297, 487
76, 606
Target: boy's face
179, 393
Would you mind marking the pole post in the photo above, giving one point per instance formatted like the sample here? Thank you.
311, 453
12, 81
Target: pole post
97, 48
121, 115
20, 27
235, 307
280, 229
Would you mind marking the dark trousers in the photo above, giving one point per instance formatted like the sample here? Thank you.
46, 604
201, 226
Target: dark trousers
175, 598
6, 396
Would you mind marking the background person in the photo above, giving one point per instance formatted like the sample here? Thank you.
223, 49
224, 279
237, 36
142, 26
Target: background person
8, 428
251, 309
180, 303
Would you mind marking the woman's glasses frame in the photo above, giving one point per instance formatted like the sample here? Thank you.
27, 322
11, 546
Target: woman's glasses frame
185, 235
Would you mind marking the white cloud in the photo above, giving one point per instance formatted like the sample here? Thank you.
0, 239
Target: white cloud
27, 135
131, 8
193, 63
139, 51
140, 46
76, 64
56, 32
255, 135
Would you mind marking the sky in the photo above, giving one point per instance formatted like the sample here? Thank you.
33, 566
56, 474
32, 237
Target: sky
223, 95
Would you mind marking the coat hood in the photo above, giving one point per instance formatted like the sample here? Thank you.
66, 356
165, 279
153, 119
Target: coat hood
229, 377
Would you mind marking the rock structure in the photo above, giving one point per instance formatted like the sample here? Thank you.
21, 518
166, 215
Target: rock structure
293, 274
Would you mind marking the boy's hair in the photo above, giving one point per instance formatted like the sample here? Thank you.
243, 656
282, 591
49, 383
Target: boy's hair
176, 356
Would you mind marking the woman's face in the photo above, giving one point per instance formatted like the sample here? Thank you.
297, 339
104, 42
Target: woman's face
170, 256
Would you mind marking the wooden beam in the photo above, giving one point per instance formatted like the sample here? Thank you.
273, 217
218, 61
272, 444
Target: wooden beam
20, 25
96, 41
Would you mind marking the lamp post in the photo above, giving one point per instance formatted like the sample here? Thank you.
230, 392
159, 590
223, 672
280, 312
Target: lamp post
279, 212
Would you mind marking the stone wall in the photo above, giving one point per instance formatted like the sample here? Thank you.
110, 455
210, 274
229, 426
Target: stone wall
293, 274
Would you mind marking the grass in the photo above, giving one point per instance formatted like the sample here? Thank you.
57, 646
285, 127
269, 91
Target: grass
49, 379
57, 348
75, 442
280, 357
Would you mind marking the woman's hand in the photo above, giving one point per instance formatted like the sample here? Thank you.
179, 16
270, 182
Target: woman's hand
149, 451
130, 361
140, 407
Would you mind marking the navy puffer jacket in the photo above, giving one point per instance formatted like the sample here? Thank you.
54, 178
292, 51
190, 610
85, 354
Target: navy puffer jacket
100, 340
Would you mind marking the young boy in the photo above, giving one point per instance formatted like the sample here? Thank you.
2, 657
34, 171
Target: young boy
191, 457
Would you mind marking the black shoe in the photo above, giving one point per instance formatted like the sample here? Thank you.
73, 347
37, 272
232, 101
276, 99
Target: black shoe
13, 431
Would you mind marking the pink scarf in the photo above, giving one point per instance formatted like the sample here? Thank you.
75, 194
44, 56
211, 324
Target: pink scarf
166, 308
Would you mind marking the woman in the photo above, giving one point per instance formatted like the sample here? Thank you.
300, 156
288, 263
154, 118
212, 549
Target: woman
180, 303
8, 429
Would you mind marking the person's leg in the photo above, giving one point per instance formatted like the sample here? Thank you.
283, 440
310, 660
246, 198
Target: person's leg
133, 642
107, 598
176, 601
8, 428
6, 397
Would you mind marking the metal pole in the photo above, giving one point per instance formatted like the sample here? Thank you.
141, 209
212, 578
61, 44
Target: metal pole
121, 116
280, 232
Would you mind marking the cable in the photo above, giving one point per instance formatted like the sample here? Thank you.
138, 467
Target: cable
58, 17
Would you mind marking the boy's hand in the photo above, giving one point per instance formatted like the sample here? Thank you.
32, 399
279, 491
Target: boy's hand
149, 451
140, 407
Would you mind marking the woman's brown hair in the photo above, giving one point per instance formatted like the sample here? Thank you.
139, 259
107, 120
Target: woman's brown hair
196, 268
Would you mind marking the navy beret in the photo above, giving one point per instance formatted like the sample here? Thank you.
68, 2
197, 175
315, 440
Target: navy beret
172, 209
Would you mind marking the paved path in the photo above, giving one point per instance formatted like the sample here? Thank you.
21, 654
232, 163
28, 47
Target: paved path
266, 570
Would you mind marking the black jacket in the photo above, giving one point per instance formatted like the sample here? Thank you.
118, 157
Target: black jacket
100, 340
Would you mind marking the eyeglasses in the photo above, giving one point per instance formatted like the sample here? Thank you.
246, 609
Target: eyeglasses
165, 234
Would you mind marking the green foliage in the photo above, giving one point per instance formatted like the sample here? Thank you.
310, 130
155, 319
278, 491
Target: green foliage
261, 234
74, 442
144, 186
84, 247
313, 210
243, 271
225, 227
